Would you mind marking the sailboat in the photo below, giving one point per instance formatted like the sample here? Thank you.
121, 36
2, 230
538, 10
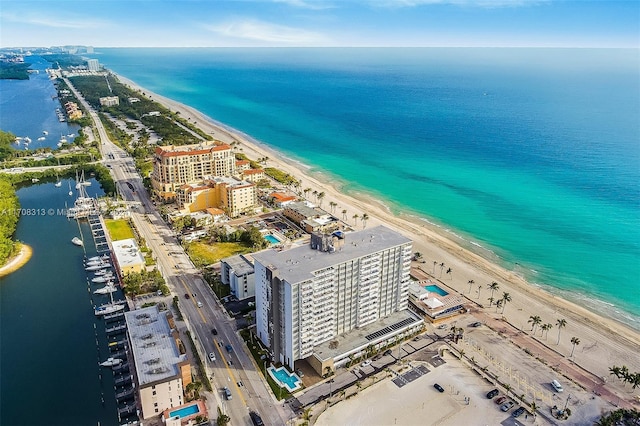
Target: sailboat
58, 183
111, 362
70, 191
109, 308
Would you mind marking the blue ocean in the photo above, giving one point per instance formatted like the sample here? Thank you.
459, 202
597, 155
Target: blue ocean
531, 157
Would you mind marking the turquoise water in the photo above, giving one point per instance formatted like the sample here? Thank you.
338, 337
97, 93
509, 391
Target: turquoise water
290, 380
186, 411
271, 239
528, 156
435, 289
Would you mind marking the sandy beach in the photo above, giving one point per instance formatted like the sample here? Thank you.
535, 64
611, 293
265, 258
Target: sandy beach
18, 261
603, 342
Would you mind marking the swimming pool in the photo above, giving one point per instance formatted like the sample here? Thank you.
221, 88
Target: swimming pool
290, 380
271, 239
435, 289
185, 411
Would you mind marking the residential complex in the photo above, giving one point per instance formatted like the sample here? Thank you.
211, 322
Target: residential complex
231, 195
162, 369
328, 292
174, 166
310, 218
237, 273
128, 256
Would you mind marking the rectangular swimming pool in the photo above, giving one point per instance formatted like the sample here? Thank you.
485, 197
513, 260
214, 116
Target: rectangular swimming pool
185, 411
435, 289
271, 239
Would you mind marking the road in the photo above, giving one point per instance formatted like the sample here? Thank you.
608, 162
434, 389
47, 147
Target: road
235, 369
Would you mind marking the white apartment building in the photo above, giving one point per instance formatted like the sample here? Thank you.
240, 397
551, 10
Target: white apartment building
162, 370
174, 166
237, 272
93, 64
332, 290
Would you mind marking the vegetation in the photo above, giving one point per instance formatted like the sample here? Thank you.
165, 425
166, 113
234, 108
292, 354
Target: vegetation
201, 369
280, 176
621, 417
14, 71
9, 207
64, 60
223, 419
144, 282
6, 149
625, 375
203, 254
119, 229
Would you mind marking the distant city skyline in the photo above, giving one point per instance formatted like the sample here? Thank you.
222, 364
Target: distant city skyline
309, 23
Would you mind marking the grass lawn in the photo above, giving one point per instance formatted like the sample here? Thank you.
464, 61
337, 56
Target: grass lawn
205, 254
119, 229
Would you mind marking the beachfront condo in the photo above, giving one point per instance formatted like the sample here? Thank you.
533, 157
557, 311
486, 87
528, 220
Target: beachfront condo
233, 196
342, 295
174, 166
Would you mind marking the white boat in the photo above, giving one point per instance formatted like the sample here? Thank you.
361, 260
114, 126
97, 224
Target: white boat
98, 267
44, 132
103, 257
111, 362
109, 288
86, 183
95, 262
41, 138
108, 309
34, 180
63, 140
77, 241
27, 139
58, 184
102, 279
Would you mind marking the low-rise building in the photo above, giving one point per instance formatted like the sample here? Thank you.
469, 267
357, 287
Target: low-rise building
128, 256
109, 101
310, 218
434, 303
237, 273
253, 175
280, 199
231, 195
161, 367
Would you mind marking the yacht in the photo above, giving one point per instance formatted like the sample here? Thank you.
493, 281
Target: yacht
109, 288
111, 362
102, 279
107, 309
98, 267
77, 241
103, 257
44, 132
41, 138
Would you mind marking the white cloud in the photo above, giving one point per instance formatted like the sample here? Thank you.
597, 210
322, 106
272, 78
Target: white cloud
308, 4
78, 23
470, 3
251, 29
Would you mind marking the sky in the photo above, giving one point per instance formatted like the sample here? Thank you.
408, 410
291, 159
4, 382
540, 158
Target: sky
311, 23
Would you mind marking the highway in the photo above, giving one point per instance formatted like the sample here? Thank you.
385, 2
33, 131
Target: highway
236, 369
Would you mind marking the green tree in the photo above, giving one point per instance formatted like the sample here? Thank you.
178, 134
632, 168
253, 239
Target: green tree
534, 320
494, 286
470, 282
223, 419
561, 323
506, 297
364, 219
575, 342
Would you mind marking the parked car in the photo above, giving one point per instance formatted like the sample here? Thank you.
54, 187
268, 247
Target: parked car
365, 364
437, 386
186, 296
506, 406
518, 412
214, 331
212, 356
501, 400
492, 393
387, 352
475, 324
557, 386
256, 419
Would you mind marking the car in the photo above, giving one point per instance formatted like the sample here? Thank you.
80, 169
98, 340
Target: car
518, 412
199, 304
557, 386
227, 393
437, 386
214, 331
442, 326
229, 348
256, 419
475, 324
365, 364
240, 384
387, 352
492, 393
229, 363
506, 406
500, 400
212, 356
193, 294
186, 296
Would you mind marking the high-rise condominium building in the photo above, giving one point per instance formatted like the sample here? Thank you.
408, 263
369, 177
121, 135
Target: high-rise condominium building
336, 297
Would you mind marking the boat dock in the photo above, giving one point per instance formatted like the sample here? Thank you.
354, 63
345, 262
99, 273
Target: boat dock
98, 231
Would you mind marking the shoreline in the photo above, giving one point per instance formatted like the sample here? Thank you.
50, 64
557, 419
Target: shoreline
602, 337
17, 261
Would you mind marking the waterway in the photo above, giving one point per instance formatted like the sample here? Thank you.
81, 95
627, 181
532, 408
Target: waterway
49, 349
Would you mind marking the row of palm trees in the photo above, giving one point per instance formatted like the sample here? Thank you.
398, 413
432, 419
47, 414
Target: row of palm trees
625, 375
319, 196
536, 321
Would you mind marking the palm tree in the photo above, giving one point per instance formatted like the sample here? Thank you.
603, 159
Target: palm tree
534, 320
543, 327
435, 262
364, 219
493, 287
479, 288
534, 408
355, 218
449, 271
498, 305
561, 323
344, 214
635, 380
417, 256
549, 327
306, 192
470, 282
441, 268
315, 195
506, 297
575, 342
614, 371
321, 195
490, 299
332, 206
507, 388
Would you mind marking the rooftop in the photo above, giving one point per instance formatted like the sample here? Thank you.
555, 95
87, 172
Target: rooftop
304, 209
298, 263
155, 352
127, 253
176, 151
240, 264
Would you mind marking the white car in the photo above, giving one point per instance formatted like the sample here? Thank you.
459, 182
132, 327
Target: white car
212, 356
365, 364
